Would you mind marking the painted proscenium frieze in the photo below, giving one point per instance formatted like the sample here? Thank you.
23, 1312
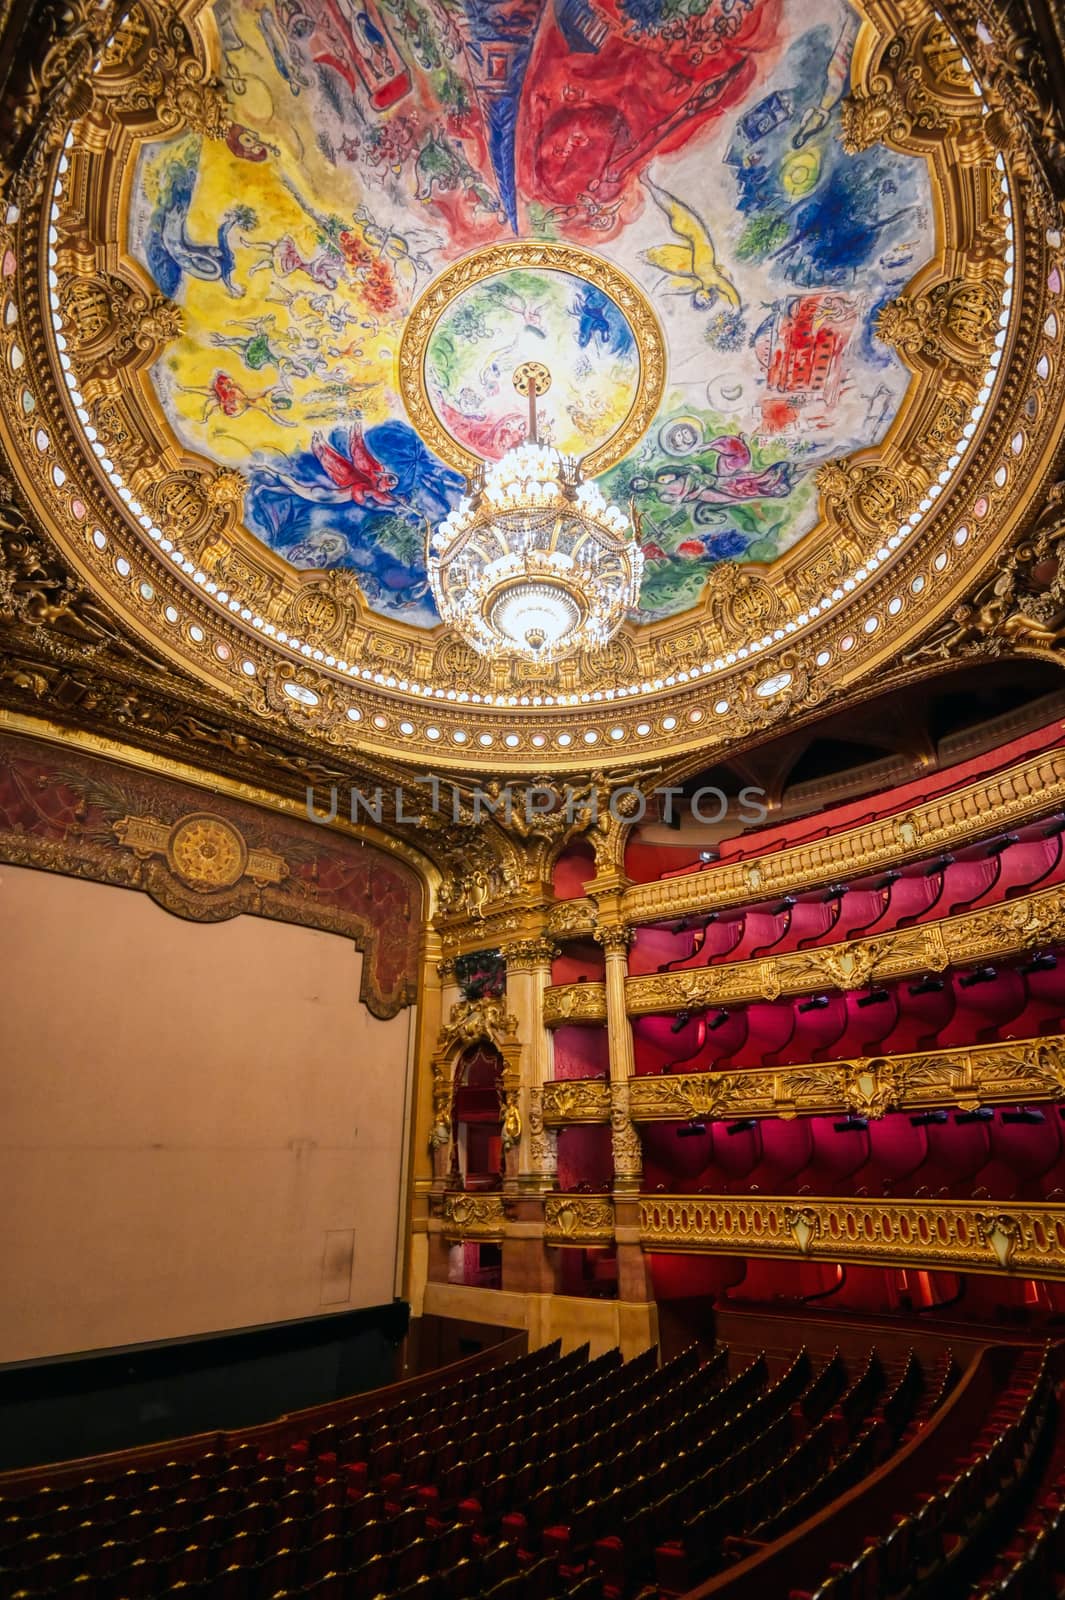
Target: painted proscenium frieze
209, 248
207, 857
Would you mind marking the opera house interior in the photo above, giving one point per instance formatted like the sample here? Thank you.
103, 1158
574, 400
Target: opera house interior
532, 799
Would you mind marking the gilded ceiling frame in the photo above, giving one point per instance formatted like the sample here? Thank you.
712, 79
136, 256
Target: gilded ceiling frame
910, 94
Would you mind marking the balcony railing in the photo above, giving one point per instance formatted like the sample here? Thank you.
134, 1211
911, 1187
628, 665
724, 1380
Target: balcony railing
945, 1235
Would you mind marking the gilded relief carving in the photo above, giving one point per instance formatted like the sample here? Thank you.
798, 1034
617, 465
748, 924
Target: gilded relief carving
576, 1100
946, 1235
976, 936
1009, 1074
1031, 789
578, 1219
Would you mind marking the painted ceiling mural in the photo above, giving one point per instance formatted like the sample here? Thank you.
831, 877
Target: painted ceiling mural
694, 143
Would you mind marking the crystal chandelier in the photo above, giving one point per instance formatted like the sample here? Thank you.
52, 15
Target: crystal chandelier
533, 562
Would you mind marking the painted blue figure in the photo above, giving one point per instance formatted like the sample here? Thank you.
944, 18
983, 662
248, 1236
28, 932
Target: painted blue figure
170, 253
293, 507
599, 321
499, 37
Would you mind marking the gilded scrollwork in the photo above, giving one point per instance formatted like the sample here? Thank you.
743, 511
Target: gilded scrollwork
533, 952
625, 1141
573, 1100
998, 931
940, 1235
569, 919
869, 1086
574, 1002
955, 321
474, 1216
1019, 608
471, 1021
543, 1140
578, 1219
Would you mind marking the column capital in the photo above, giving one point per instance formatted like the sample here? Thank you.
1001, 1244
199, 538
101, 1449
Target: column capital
445, 969
614, 939
537, 951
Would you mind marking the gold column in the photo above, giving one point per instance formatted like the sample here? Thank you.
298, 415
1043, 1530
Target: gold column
438, 1088
628, 1160
633, 1277
427, 1260
527, 1267
528, 975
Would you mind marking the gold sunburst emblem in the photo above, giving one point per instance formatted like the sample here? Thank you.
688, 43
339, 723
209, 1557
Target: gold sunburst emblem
207, 852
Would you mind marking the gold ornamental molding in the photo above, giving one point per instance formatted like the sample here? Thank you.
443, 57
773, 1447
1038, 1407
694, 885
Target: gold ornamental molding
762, 643
868, 1086
474, 1216
1000, 931
203, 850
946, 1236
574, 1002
572, 1100
578, 1219
532, 255
571, 919
1031, 789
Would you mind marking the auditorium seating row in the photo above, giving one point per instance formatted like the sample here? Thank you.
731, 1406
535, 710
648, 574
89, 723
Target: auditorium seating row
1001, 1153
946, 885
1022, 998
513, 1484
942, 1545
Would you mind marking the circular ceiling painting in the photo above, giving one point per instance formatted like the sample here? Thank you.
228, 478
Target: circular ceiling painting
375, 143
528, 315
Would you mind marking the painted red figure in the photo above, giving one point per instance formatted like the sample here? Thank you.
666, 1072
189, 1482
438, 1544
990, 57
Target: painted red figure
592, 121
360, 472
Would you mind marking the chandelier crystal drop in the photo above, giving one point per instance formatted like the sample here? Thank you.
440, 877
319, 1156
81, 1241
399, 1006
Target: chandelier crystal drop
532, 562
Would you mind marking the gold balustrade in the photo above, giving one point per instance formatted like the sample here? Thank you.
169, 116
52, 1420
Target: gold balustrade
943, 1235
974, 937
993, 1074
1008, 799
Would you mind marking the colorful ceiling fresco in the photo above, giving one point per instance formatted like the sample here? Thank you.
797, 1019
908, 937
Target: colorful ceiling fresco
551, 318
696, 145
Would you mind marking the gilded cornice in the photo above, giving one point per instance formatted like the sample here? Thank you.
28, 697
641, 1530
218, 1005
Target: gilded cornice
1008, 799
763, 643
949, 1236
996, 932
571, 1100
574, 1002
578, 1219
869, 1086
